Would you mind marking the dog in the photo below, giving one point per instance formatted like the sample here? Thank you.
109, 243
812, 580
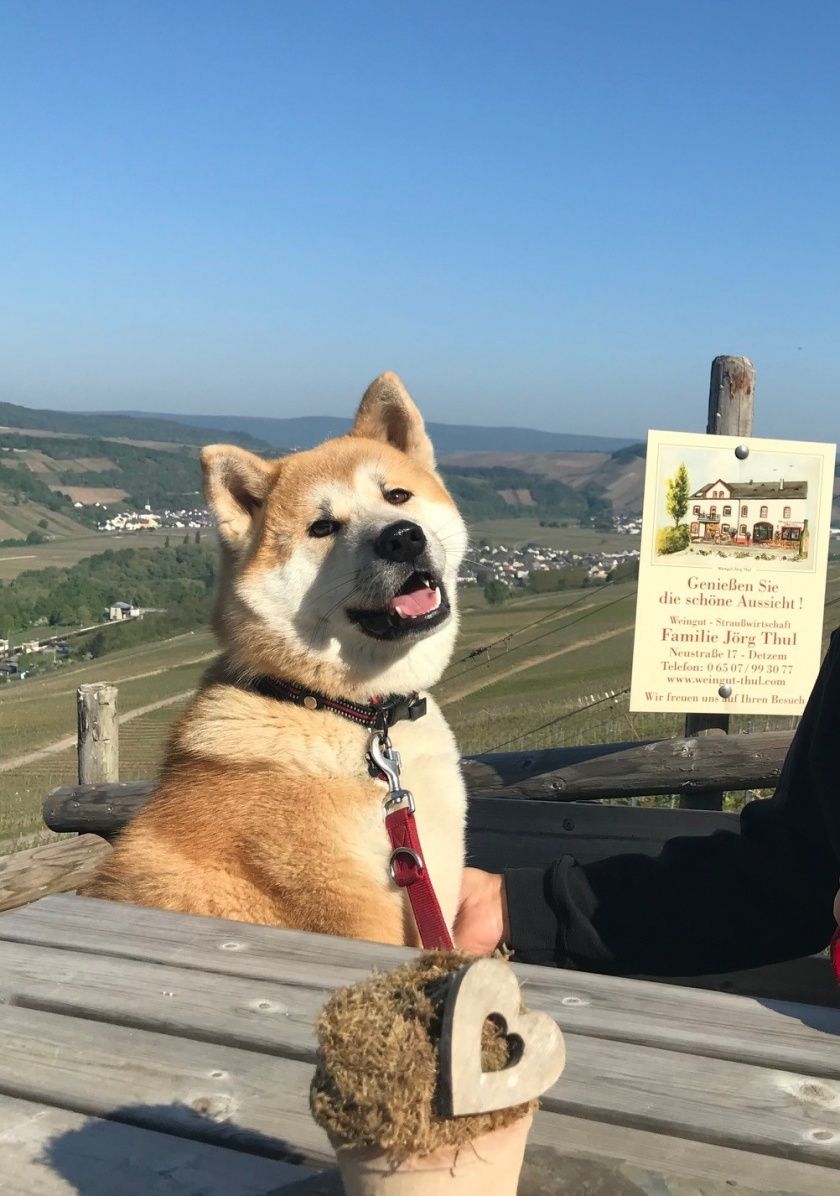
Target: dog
338, 584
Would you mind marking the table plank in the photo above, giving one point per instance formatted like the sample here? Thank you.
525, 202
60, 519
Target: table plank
212, 945
569, 1157
55, 1152
773, 1034
91, 1065
207, 1092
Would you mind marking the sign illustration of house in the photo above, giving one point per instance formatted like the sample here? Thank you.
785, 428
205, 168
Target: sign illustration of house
749, 512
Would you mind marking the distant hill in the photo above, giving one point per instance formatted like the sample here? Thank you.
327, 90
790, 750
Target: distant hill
307, 430
618, 477
108, 425
111, 472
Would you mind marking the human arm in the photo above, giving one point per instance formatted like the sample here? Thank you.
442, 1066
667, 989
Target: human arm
706, 904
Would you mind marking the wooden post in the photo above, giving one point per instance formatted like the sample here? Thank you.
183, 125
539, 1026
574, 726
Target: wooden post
731, 409
98, 733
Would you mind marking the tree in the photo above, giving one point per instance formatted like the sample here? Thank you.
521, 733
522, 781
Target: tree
495, 592
678, 491
98, 646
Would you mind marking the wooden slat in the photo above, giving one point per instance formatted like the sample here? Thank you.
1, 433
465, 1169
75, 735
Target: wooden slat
210, 945
53, 1152
207, 1092
277, 1018
45, 1151
101, 809
567, 1156
51, 868
593, 772
505, 834
257, 1103
570, 1157
637, 769
254, 952
808, 981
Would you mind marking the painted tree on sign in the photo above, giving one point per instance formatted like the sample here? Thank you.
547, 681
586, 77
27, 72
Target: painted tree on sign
678, 491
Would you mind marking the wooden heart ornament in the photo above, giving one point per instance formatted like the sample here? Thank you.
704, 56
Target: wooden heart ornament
486, 989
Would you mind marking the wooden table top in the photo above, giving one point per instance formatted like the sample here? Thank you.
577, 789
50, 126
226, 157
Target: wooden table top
150, 1053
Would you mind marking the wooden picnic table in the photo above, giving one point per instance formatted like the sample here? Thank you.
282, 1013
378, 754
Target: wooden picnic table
144, 1052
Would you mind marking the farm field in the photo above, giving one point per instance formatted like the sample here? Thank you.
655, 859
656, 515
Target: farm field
17, 520
515, 532
71, 549
510, 675
38, 722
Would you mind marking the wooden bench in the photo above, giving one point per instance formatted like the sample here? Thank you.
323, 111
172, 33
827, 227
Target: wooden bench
526, 809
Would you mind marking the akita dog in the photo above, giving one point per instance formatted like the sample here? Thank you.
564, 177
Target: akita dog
338, 587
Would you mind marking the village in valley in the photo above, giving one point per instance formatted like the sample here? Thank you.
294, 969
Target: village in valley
515, 566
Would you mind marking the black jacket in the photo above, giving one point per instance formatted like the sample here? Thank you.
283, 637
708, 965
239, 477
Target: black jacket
715, 903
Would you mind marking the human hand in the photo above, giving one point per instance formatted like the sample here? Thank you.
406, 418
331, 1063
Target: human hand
482, 921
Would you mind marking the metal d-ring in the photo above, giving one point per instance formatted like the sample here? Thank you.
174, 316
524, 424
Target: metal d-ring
409, 851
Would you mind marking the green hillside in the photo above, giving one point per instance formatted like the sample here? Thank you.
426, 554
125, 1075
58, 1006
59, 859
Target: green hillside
158, 476
176, 582
26, 502
493, 492
20, 518
139, 427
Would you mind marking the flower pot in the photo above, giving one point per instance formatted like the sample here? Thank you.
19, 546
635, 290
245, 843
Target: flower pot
489, 1164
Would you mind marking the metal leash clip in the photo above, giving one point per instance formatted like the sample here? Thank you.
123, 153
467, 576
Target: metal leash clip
386, 760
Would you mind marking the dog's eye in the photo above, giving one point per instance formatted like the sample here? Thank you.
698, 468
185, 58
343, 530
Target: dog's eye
324, 527
397, 497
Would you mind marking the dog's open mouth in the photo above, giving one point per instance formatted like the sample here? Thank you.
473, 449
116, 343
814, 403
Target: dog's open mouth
418, 606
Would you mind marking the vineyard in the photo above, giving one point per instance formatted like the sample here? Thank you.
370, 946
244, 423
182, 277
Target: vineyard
539, 671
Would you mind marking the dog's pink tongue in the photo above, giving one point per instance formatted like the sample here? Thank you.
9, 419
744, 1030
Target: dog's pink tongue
410, 606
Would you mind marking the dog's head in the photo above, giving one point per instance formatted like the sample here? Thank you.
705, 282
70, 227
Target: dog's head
340, 563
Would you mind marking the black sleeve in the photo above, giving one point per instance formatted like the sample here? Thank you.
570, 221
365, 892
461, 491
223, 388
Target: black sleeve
714, 903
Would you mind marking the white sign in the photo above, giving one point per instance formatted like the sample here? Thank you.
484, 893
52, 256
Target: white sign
732, 574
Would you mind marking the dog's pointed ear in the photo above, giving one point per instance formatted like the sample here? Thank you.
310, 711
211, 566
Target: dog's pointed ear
236, 484
387, 412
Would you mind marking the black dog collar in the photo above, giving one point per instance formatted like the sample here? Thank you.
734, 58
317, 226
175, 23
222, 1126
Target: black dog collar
379, 714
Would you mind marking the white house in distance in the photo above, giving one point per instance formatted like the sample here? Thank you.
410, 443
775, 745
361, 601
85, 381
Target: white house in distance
767, 513
122, 610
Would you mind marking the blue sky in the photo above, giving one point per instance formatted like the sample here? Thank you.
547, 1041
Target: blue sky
552, 214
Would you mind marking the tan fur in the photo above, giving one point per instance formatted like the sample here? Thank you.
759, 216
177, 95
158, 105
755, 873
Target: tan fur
266, 812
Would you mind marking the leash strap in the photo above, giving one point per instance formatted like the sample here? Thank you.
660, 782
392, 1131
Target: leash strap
408, 871
408, 865
834, 951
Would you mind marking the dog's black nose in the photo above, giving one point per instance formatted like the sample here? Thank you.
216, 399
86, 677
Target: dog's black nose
400, 542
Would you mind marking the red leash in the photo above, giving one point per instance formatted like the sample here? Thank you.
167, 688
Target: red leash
834, 951
408, 866
409, 872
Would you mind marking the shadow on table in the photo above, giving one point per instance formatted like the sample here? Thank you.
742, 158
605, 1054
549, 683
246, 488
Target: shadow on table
818, 1017
118, 1156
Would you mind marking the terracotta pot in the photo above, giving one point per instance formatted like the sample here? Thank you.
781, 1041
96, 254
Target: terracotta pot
489, 1164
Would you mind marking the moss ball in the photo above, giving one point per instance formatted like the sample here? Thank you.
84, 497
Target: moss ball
376, 1081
